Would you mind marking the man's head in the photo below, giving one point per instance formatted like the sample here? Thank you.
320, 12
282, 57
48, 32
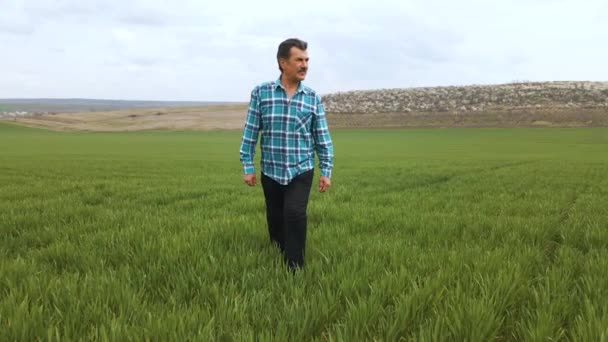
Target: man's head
293, 59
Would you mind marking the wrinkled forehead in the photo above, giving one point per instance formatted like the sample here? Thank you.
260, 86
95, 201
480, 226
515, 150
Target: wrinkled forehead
297, 53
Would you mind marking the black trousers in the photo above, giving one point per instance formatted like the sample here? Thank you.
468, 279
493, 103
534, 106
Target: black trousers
286, 215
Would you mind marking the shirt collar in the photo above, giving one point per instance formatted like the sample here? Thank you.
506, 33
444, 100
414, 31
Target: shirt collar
300, 89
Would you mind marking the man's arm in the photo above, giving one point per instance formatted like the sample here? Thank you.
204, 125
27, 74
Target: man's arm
323, 145
250, 135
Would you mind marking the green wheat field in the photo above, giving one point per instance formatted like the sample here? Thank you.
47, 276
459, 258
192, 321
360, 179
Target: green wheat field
438, 234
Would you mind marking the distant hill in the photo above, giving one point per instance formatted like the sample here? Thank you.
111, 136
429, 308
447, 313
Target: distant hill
564, 103
208, 117
93, 105
521, 104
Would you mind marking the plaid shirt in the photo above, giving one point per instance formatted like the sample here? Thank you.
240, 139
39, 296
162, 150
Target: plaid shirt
292, 130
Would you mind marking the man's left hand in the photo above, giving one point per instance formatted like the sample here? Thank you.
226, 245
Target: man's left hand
324, 183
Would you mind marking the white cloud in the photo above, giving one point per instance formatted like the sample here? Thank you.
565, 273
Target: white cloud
193, 50
13, 20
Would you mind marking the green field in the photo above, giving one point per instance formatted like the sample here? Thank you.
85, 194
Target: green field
445, 234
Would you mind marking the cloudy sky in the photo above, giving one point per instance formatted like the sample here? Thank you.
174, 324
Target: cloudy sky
218, 50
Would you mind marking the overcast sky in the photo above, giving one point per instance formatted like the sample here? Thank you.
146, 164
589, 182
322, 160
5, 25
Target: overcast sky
218, 50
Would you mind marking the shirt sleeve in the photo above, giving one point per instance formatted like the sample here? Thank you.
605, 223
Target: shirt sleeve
322, 140
250, 133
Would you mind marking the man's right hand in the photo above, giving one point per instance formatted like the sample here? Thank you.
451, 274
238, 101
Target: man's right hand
250, 179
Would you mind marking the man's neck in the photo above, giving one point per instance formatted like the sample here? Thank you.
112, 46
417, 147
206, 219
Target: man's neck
289, 85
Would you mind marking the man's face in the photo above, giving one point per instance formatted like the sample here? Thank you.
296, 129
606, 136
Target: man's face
296, 66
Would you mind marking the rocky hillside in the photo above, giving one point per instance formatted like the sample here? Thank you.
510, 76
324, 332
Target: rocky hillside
516, 104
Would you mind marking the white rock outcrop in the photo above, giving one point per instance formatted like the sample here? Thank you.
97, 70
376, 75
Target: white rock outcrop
474, 98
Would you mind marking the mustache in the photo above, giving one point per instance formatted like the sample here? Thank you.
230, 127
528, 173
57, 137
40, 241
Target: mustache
303, 69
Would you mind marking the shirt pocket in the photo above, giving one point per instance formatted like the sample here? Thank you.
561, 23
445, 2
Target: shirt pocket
304, 117
266, 114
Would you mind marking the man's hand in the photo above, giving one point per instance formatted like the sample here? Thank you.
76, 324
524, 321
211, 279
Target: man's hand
324, 183
250, 179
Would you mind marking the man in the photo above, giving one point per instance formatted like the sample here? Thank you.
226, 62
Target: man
291, 120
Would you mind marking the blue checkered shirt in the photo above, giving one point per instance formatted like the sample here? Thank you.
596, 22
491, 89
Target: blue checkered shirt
291, 131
